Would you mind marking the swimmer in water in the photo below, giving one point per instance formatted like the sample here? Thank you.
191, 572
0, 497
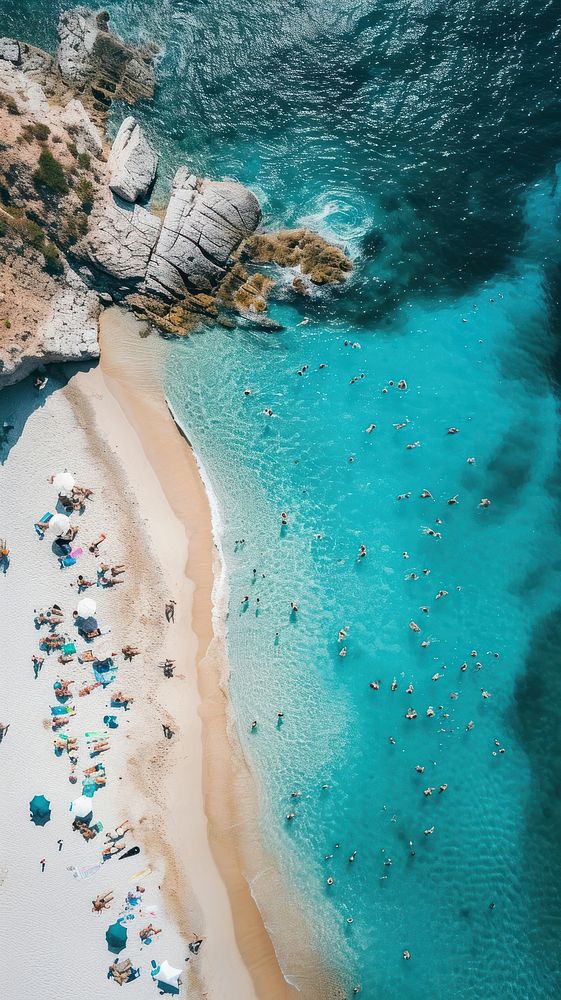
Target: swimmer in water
428, 832
370, 428
361, 552
485, 502
402, 384
453, 500
414, 627
441, 593
415, 444
343, 651
426, 495
403, 496
453, 430
470, 461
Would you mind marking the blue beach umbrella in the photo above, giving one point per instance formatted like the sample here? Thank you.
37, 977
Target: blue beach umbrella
40, 809
116, 937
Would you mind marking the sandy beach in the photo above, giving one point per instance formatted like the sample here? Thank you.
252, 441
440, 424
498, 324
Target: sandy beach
124, 445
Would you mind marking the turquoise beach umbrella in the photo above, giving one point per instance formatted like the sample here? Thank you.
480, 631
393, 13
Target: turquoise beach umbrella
40, 809
116, 937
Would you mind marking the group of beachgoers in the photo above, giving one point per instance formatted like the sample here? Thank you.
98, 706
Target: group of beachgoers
433, 531
88, 660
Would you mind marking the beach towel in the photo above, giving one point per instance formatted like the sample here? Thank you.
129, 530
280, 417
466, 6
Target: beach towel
67, 561
76, 553
62, 710
87, 872
141, 874
111, 721
104, 674
69, 648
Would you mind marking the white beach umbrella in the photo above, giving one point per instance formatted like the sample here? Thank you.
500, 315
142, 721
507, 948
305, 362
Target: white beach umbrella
168, 975
103, 649
63, 482
60, 523
86, 607
82, 807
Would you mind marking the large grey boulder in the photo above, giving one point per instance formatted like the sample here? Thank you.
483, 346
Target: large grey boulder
132, 162
121, 240
9, 50
77, 31
204, 223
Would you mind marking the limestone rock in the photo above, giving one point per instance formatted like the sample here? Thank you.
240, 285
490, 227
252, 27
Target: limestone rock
68, 333
87, 138
204, 223
91, 58
121, 239
9, 50
132, 162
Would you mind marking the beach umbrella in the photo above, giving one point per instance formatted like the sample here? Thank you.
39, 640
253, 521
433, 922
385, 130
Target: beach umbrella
103, 650
63, 482
86, 607
40, 809
60, 524
168, 976
88, 624
116, 937
82, 807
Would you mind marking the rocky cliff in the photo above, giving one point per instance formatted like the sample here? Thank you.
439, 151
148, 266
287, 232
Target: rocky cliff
76, 229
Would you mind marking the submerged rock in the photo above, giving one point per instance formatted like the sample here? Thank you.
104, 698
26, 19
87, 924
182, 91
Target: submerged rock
132, 162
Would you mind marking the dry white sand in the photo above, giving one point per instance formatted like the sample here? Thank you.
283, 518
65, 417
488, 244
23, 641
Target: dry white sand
46, 923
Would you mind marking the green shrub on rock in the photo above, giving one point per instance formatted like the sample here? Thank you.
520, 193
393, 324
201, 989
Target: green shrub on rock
50, 174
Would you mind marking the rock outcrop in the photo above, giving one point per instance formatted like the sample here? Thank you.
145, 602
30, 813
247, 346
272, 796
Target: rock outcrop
75, 230
132, 162
94, 61
55, 323
9, 50
204, 223
122, 240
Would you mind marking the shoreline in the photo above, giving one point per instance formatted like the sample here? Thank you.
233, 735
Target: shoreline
168, 452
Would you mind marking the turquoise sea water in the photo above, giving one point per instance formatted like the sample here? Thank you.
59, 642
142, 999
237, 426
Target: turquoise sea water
425, 138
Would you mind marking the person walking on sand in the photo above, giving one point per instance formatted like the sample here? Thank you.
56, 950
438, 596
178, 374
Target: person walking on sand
3, 730
60, 843
43, 863
170, 610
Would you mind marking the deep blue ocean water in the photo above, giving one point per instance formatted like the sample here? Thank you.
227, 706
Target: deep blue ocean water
425, 138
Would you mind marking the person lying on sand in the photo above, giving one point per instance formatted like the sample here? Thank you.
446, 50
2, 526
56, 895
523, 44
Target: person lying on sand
111, 849
102, 902
82, 583
94, 546
122, 699
149, 932
105, 581
130, 651
88, 688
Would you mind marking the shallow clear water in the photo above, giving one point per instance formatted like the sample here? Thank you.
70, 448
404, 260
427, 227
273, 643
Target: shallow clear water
424, 137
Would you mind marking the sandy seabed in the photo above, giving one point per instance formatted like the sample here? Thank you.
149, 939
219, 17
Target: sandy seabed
111, 428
